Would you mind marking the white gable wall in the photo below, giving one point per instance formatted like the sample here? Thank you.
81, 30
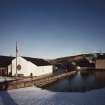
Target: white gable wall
24, 66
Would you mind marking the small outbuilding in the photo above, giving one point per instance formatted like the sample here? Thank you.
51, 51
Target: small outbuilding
100, 63
4, 62
85, 64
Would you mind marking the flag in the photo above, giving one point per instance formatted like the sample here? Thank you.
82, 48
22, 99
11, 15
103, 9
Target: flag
16, 48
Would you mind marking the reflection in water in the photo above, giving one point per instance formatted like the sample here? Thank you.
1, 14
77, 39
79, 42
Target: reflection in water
82, 81
6, 99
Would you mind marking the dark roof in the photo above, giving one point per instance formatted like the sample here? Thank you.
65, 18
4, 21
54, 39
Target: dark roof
5, 60
101, 56
37, 61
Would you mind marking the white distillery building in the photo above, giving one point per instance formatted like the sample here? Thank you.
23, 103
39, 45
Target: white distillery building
27, 66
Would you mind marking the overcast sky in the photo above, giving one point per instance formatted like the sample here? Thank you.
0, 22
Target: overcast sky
52, 28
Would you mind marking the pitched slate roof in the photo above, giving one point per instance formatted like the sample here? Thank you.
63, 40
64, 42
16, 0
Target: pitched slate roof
37, 61
101, 56
5, 60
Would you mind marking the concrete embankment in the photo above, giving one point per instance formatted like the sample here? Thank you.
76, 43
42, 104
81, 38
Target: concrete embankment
50, 80
33, 81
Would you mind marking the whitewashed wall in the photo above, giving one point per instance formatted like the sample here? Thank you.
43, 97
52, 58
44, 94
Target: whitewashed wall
28, 67
44, 70
9, 68
24, 66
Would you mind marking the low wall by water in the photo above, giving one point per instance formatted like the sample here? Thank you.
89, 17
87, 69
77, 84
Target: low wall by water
32, 81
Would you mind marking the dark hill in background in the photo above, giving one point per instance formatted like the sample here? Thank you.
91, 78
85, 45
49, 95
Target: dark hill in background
90, 57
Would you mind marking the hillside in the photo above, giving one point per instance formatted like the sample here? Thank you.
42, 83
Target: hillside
91, 56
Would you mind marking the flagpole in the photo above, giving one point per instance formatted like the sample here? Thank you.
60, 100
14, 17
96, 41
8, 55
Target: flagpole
16, 58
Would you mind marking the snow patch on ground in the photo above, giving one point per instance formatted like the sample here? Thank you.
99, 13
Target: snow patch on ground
37, 96
3, 79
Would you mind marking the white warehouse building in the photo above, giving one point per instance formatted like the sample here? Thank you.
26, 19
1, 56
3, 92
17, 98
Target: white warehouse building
27, 66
